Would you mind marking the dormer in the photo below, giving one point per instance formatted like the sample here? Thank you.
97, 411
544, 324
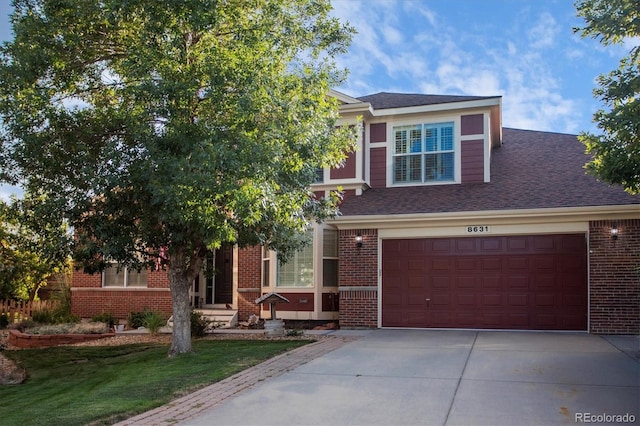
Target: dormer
413, 139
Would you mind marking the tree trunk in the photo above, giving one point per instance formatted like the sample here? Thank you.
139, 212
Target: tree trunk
180, 277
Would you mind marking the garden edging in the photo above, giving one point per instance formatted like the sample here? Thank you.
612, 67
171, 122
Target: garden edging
23, 340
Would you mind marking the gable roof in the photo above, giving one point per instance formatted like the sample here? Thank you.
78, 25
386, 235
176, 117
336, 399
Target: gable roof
386, 100
532, 170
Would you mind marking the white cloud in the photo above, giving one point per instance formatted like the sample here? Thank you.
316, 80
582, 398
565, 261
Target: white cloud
404, 46
543, 32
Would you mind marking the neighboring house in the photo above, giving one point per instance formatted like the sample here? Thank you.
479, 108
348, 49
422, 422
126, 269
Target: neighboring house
448, 221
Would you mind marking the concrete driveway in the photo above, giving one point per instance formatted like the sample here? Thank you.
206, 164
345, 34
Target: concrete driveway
428, 377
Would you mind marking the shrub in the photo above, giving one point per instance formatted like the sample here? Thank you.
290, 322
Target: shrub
199, 324
106, 318
23, 325
153, 321
137, 319
44, 316
4, 321
70, 328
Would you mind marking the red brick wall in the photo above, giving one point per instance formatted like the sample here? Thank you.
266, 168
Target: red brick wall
249, 281
119, 302
358, 267
88, 298
614, 277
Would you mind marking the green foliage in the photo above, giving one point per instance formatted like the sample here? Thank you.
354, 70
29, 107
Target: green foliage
4, 321
153, 321
137, 319
179, 125
32, 248
105, 317
199, 324
43, 316
616, 152
23, 325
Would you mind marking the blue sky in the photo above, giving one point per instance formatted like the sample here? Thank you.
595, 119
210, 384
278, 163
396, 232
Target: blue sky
522, 50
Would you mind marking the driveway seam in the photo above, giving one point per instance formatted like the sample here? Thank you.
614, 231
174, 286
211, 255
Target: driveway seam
466, 362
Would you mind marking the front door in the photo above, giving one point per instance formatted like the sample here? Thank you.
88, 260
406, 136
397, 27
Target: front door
223, 284
214, 284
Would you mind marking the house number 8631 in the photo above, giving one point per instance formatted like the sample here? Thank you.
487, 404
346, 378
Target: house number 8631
477, 229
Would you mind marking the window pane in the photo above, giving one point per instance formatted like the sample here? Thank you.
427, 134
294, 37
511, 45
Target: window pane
330, 272
400, 169
136, 279
265, 272
446, 138
431, 139
415, 168
113, 277
401, 141
330, 243
416, 140
439, 167
298, 271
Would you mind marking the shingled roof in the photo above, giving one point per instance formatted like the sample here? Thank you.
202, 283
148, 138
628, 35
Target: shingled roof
532, 170
384, 100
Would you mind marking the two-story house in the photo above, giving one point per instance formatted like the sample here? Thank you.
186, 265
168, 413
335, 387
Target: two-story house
449, 220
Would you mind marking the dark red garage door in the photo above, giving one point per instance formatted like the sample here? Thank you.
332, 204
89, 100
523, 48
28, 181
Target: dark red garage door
534, 282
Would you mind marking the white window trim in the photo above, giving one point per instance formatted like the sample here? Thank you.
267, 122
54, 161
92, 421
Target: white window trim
124, 271
318, 251
390, 145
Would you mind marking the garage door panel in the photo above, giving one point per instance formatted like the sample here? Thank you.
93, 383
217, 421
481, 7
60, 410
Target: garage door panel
440, 283
489, 245
510, 282
492, 300
491, 264
466, 264
438, 264
491, 282
517, 282
544, 242
439, 246
517, 244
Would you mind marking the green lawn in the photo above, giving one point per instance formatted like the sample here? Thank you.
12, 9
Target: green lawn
102, 385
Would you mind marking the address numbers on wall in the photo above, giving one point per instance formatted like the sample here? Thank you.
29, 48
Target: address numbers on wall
477, 229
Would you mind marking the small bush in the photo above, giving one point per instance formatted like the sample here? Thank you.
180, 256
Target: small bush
44, 316
199, 324
4, 321
70, 328
137, 319
23, 325
153, 321
106, 318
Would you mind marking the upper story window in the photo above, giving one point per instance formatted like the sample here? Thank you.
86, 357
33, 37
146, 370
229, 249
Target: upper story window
423, 153
113, 276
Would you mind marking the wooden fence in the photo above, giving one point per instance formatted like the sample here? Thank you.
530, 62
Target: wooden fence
17, 311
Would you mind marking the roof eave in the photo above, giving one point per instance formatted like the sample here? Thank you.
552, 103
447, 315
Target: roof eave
558, 214
448, 106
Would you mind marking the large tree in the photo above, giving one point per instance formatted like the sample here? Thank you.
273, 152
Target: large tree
33, 248
616, 152
176, 125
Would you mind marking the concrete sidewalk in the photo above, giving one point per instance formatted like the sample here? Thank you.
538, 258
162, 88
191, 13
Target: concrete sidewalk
427, 377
